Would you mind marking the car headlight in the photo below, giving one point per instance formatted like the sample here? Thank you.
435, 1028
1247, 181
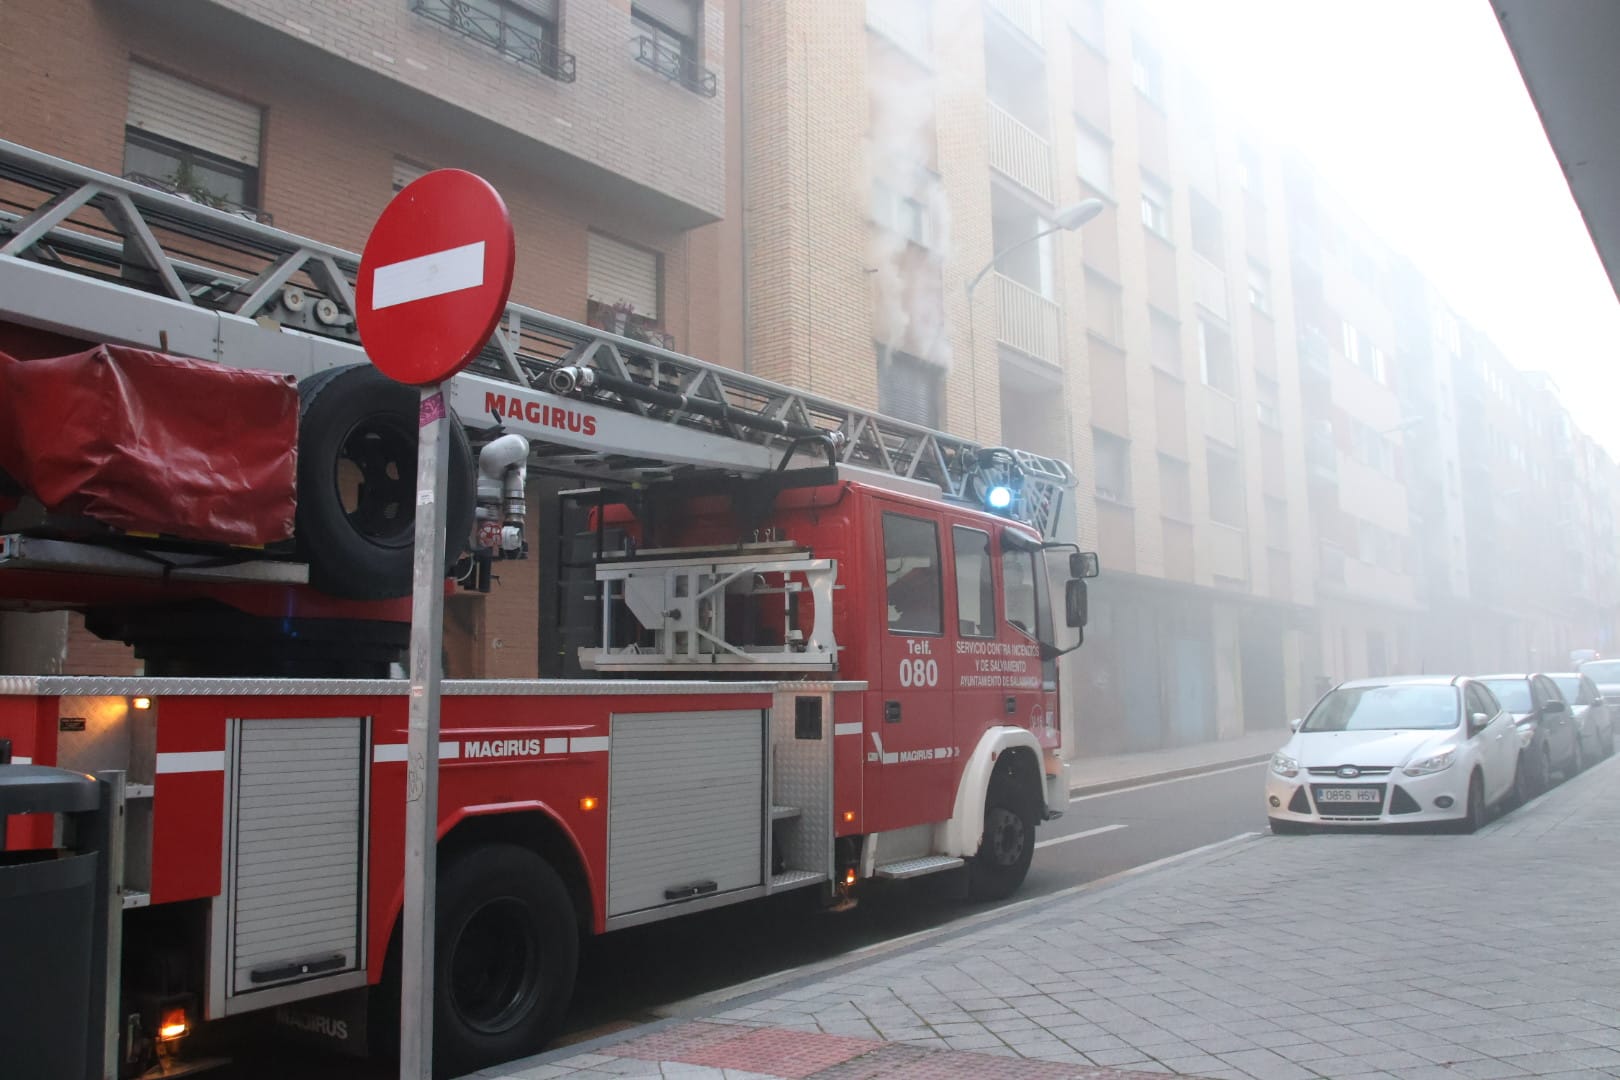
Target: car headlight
1283, 765
1432, 764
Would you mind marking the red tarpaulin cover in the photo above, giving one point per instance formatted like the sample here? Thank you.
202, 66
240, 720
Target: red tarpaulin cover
151, 443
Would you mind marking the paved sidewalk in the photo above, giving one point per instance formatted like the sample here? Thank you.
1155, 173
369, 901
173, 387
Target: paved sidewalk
1088, 774
1416, 957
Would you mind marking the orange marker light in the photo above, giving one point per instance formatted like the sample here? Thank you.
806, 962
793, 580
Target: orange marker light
849, 877
174, 1025
588, 803
849, 815
142, 703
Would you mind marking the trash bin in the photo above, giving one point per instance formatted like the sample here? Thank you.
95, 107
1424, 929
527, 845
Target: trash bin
53, 928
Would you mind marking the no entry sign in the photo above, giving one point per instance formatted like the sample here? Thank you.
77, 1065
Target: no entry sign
434, 277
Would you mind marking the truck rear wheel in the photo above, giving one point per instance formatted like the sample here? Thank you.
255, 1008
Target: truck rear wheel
506, 954
356, 522
1008, 843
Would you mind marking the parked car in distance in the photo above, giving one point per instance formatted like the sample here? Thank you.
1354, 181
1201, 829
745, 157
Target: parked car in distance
1395, 751
1606, 674
1546, 728
1593, 718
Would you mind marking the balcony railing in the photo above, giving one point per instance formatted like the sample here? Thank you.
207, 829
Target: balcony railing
1025, 16
1030, 322
539, 51
1209, 286
677, 65
1019, 153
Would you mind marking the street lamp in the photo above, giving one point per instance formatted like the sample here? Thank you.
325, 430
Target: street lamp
1068, 219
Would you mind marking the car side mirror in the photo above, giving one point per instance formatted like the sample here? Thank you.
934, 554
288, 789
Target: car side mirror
1074, 603
1293, 725
1478, 722
1083, 564
1551, 707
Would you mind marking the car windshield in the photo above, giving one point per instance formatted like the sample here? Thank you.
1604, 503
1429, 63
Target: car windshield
1385, 708
1514, 694
1568, 685
1603, 671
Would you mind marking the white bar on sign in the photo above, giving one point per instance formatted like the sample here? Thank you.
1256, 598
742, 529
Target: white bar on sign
588, 744
848, 727
386, 752
191, 761
442, 272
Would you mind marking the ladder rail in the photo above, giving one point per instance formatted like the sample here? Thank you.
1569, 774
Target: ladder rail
151, 241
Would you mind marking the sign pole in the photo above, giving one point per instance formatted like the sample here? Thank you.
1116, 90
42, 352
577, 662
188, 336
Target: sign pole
422, 756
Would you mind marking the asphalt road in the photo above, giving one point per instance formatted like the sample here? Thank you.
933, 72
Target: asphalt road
630, 976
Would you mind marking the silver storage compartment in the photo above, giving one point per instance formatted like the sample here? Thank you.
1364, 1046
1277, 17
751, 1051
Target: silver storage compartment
298, 819
686, 807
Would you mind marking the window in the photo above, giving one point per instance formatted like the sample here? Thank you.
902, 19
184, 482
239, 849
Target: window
1372, 449
899, 214
1206, 229
407, 172
1250, 175
1215, 361
1260, 288
1175, 488
1086, 18
1105, 312
1111, 464
911, 564
1165, 334
904, 22
1365, 355
1018, 589
1225, 489
525, 30
1384, 708
622, 285
1145, 71
975, 591
1155, 207
1094, 157
668, 41
1267, 401
185, 138
1276, 522
1480, 701
909, 388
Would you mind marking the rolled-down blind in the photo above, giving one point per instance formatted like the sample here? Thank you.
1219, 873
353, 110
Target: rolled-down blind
407, 172
618, 272
681, 16
196, 116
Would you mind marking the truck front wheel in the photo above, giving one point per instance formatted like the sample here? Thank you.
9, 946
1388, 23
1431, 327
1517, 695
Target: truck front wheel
507, 951
1008, 843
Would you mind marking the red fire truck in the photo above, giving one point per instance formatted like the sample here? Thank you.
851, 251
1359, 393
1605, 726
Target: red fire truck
792, 645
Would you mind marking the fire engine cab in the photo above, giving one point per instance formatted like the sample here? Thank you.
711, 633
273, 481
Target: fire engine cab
794, 645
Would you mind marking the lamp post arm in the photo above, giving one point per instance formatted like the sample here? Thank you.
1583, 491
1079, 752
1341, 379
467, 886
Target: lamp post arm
991, 265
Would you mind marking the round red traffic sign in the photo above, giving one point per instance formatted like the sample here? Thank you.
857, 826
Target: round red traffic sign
434, 277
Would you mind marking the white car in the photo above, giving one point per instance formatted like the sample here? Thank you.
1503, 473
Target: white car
1395, 751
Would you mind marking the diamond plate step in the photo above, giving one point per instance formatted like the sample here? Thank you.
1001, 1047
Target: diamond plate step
782, 813
910, 868
794, 879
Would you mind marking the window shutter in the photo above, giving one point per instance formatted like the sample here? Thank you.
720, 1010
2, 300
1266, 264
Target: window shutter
618, 272
187, 113
407, 172
681, 16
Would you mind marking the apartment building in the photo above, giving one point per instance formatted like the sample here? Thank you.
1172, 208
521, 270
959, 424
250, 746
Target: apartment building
605, 124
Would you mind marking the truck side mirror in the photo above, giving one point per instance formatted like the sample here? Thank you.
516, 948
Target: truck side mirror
1074, 603
1083, 564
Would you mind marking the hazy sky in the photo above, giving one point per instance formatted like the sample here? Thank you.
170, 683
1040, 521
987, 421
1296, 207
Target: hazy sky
1416, 114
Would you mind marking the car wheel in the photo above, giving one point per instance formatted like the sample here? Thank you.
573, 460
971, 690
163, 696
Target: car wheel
1544, 781
1008, 844
1475, 817
1524, 782
1289, 828
1608, 743
1577, 762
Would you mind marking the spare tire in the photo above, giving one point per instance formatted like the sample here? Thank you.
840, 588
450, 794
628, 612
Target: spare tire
356, 517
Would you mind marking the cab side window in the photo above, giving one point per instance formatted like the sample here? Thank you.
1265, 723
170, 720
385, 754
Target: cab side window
912, 566
1588, 694
1480, 700
975, 589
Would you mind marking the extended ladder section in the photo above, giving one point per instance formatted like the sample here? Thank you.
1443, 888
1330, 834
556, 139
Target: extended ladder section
103, 259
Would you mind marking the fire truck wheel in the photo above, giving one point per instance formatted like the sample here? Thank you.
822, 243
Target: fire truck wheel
1008, 843
508, 948
357, 483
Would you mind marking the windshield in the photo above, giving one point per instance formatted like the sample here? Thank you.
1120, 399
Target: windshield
1514, 694
1603, 671
1385, 708
1568, 685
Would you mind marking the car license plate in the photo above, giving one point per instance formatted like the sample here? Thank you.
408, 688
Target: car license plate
1348, 794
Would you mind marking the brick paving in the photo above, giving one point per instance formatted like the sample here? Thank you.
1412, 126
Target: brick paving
1417, 957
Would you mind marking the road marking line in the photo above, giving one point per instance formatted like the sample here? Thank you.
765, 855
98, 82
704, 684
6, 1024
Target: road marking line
1079, 835
448, 271
1161, 783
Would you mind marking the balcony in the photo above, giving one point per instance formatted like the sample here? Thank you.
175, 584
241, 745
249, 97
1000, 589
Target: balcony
1228, 552
1322, 456
539, 51
1024, 15
1019, 153
1030, 322
677, 65
1314, 360
1209, 286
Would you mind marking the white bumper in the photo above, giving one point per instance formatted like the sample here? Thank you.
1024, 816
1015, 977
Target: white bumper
1403, 800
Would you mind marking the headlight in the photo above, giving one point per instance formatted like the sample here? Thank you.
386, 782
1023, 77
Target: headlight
1283, 765
1436, 763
